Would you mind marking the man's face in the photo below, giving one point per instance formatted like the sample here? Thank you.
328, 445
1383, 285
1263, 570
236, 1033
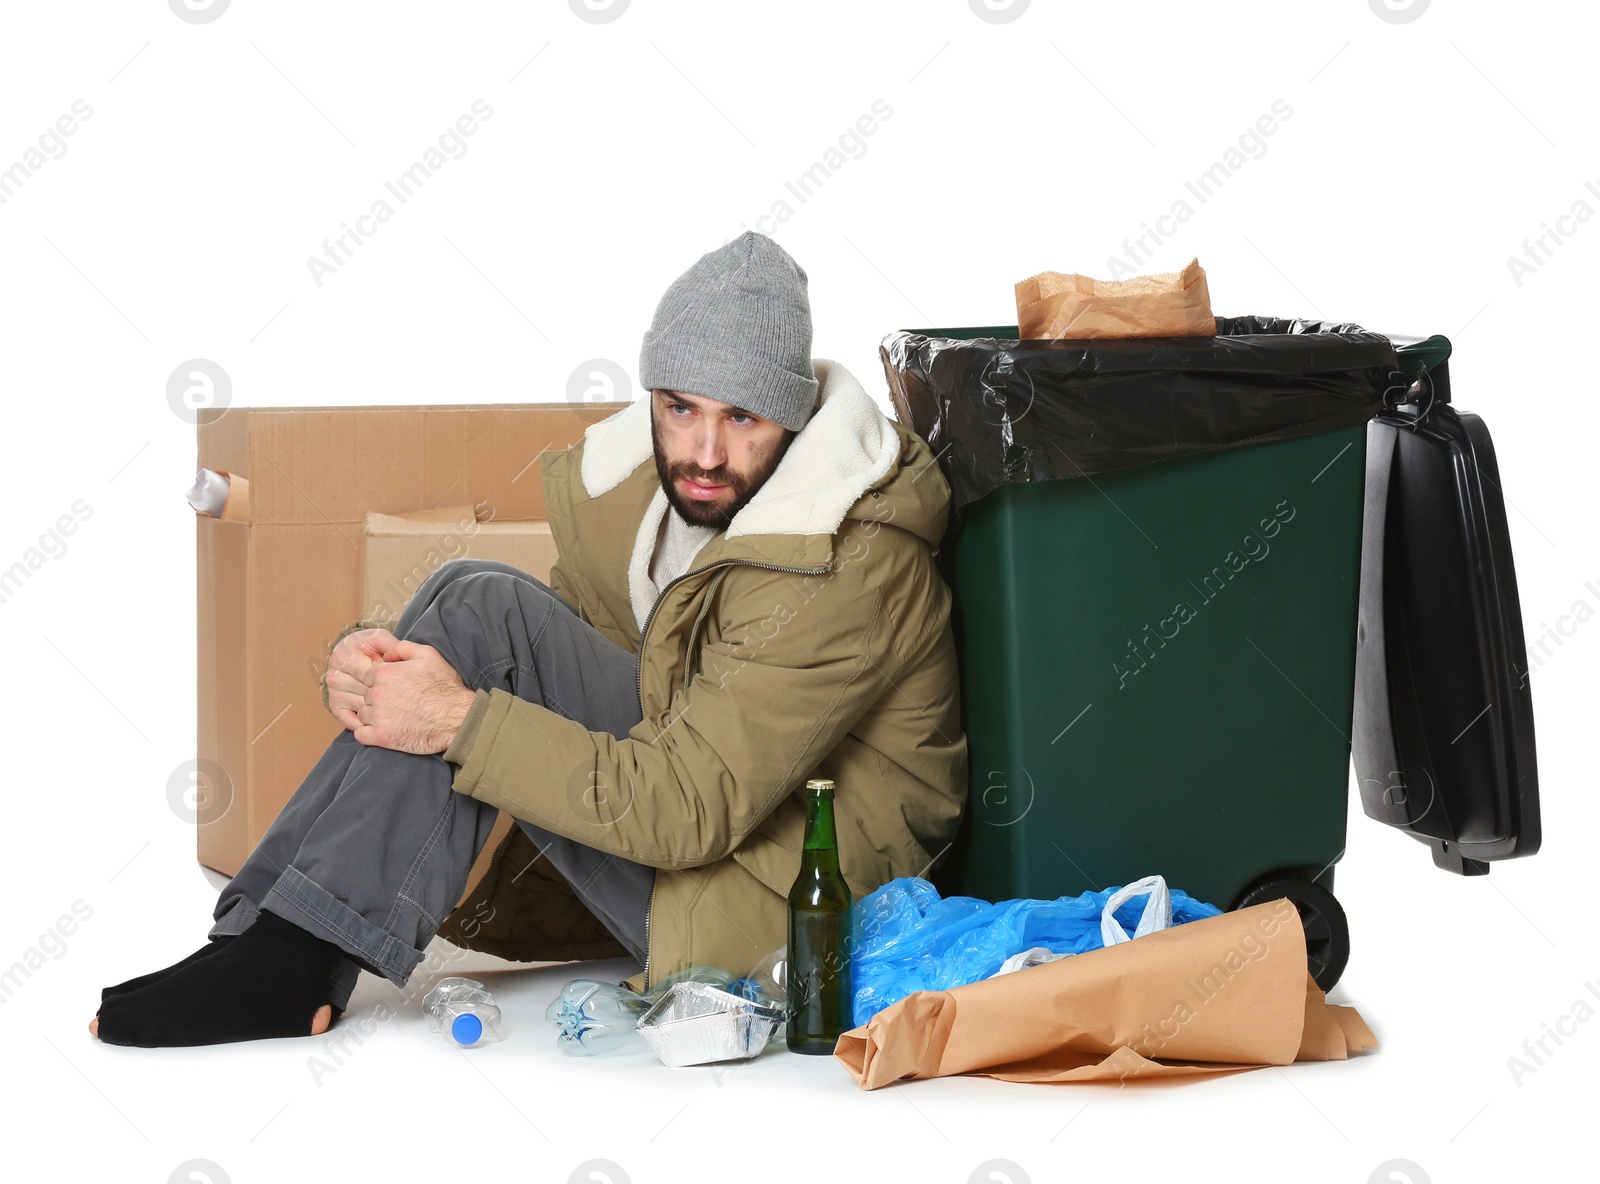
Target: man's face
712, 457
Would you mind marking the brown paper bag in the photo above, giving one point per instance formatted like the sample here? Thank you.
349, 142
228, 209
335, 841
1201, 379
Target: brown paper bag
1053, 306
1217, 995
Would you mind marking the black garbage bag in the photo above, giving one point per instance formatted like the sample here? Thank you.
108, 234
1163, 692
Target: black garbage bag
998, 410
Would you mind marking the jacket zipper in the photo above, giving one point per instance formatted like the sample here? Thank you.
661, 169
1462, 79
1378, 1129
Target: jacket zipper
643, 634
649, 907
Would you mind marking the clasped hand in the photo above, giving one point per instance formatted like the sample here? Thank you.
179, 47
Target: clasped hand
395, 694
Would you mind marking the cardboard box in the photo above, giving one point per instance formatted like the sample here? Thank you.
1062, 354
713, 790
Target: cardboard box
275, 589
403, 550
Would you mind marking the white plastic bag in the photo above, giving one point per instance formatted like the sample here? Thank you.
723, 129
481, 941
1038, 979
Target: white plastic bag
1157, 915
1157, 910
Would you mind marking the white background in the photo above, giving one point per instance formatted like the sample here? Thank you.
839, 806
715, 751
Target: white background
177, 222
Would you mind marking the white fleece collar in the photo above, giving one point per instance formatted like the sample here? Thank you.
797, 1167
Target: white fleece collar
640, 589
846, 446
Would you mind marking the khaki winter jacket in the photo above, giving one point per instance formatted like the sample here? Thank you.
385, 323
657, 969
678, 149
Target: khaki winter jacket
811, 638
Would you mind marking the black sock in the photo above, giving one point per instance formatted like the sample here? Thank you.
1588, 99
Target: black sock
144, 980
268, 982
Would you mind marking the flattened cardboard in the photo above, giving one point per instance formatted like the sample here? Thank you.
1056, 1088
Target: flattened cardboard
403, 550
274, 591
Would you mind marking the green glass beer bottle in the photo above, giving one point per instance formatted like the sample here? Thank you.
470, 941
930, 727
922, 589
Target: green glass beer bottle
817, 980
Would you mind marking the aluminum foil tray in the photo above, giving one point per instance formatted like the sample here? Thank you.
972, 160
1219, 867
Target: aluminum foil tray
697, 1024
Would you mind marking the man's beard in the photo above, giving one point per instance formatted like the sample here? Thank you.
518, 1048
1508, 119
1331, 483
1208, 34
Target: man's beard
744, 485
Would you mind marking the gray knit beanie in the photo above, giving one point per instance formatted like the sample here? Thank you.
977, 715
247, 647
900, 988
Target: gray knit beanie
736, 327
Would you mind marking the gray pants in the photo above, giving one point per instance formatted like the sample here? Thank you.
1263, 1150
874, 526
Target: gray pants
373, 850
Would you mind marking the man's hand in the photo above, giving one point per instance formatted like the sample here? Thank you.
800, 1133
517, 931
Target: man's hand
414, 700
347, 667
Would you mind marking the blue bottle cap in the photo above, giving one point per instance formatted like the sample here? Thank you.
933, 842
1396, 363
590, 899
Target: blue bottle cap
466, 1028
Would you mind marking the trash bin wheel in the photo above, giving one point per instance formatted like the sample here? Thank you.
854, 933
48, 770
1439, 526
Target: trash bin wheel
1321, 915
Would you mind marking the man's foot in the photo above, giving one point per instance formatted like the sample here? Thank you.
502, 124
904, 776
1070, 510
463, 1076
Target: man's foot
271, 981
144, 980
320, 1022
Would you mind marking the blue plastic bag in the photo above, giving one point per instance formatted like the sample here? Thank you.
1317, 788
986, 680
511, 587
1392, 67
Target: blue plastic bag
908, 939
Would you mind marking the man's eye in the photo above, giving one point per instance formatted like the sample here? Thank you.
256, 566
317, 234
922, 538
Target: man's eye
677, 407
742, 419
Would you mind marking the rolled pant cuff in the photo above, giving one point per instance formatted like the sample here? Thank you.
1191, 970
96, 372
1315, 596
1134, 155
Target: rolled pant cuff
235, 921
299, 899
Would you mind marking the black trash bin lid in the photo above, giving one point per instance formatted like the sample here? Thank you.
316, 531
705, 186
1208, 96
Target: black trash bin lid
1443, 741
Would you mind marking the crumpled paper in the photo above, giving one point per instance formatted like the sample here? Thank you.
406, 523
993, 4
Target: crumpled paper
1051, 305
1218, 995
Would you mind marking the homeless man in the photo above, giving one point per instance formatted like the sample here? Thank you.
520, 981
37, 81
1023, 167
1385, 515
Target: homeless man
745, 597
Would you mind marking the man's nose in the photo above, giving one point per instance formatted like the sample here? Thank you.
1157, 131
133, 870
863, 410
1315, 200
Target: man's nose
709, 452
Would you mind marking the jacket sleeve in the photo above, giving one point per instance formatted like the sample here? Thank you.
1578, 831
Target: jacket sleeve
798, 662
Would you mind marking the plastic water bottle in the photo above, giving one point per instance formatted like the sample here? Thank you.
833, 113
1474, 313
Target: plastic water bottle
767, 981
595, 1017
463, 1010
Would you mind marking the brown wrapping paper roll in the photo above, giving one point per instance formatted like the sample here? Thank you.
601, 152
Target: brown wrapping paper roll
1217, 995
1053, 306
237, 507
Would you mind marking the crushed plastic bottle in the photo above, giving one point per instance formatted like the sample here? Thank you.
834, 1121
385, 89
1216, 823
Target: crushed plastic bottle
766, 981
594, 1017
694, 974
766, 984
463, 1010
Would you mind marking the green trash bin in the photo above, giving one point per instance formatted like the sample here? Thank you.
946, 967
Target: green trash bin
1154, 558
